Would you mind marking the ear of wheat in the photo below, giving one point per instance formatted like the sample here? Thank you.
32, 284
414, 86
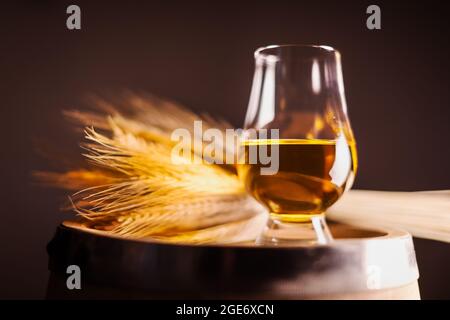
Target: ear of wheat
132, 188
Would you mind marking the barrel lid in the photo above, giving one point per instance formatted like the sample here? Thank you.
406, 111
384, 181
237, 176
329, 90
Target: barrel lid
357, 261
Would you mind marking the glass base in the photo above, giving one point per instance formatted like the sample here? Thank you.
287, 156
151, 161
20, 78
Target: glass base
313, 231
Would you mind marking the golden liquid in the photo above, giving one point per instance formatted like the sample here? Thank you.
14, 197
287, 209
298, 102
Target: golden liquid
312, 175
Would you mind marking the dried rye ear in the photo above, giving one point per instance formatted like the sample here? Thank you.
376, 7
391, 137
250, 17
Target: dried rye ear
133, 188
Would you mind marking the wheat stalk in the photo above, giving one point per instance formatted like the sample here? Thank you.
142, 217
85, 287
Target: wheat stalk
134, 189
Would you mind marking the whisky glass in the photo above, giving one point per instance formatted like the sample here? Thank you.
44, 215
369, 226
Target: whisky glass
298, 90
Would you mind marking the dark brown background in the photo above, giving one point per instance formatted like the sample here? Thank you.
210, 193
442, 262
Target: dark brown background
200, 53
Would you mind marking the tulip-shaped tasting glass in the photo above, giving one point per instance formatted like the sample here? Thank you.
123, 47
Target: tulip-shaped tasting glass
297, 90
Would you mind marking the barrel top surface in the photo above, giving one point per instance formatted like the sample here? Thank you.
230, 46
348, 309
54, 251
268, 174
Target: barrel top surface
357, 261
343, 234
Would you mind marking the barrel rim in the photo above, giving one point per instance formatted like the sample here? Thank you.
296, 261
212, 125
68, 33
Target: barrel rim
385, 234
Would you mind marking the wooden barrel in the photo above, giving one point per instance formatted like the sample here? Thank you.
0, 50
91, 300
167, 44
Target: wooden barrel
360, 264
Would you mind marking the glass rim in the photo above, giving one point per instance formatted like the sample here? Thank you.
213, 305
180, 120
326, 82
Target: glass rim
322, 49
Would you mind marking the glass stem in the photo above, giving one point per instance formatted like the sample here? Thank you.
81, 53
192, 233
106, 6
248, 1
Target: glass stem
320, 226
287, 233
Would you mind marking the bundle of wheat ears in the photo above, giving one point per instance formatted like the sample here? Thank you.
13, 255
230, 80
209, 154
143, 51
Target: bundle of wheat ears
132, 188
